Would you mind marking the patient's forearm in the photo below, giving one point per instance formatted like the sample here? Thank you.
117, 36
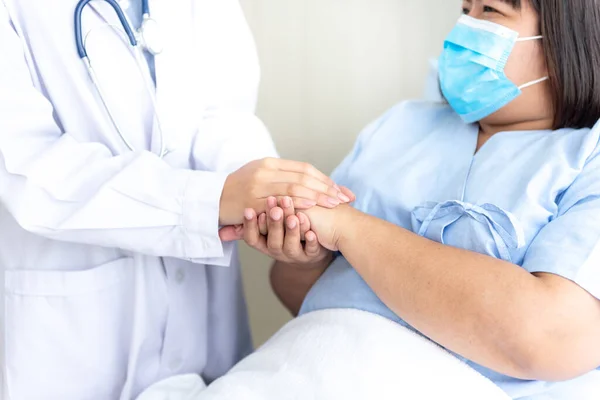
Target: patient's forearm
291, 283
487, 310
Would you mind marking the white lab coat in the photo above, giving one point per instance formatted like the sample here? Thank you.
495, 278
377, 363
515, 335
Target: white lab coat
114, 274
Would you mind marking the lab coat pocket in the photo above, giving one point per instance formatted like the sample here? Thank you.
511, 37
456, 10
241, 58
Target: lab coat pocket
67, 332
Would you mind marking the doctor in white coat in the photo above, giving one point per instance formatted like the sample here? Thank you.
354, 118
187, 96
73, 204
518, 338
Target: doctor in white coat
114, 274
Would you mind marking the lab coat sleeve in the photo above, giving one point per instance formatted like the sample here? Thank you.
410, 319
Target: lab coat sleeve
569, 246
229, 135
63, 189
227, 140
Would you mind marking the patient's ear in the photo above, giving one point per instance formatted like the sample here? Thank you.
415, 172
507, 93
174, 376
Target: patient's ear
432, 83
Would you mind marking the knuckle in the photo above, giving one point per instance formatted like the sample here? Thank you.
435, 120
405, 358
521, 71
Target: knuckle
305, 180
259, 175
289, 251
253, 193
275, 245
251, 241
275, 253
268, 162
294, 190
280, 200
307, 168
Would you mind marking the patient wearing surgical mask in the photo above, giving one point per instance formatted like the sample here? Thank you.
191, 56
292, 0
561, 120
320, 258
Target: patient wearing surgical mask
505, 164
476, 218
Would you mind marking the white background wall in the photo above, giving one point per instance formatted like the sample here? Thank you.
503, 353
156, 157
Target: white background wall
328, 68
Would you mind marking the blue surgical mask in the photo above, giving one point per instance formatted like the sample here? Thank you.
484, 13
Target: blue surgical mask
471, 68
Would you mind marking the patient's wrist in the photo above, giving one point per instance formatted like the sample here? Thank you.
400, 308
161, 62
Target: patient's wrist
347, 223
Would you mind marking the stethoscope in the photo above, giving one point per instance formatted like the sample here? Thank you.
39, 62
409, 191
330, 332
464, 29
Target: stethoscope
148, 36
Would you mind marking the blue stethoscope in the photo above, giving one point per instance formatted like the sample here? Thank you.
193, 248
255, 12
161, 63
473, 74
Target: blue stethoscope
146, 38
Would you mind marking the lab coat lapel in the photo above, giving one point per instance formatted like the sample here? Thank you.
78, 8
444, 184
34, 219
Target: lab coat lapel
108, 15
176, 83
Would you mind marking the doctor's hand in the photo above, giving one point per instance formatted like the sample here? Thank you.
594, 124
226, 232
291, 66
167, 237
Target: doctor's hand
284, 231
250, 186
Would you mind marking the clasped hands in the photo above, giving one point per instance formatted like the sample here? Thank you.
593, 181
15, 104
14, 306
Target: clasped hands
298, 222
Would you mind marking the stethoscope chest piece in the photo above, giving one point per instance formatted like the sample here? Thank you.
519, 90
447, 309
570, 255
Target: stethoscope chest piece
150, 36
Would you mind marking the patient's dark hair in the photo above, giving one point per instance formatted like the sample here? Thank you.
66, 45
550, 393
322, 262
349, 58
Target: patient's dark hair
571, 30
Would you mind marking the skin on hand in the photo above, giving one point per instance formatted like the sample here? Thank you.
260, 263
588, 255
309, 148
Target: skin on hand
329, 224
236, 232
285, 230
250, 186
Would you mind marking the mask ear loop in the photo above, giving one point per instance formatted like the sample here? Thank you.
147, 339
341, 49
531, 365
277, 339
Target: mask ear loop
525, 39
525, 86
533, 83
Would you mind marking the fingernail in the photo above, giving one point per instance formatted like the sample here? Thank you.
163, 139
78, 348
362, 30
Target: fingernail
333, 201
292, 223
248, 214
287, 202
309, 203
310, 237
343, 197
272, 202
276, 214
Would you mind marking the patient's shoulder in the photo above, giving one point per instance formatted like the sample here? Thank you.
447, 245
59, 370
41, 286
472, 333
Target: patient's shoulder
417, 117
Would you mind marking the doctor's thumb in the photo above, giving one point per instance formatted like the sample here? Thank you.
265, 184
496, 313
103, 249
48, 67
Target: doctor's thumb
231, 233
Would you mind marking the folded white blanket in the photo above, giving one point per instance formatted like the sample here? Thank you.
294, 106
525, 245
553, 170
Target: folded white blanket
339, 354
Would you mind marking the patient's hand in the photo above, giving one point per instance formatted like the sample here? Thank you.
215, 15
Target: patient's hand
279, 232
329, 225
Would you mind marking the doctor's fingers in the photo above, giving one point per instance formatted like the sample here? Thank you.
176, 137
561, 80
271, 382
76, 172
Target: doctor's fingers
302, 196
287, 205
262, 224
272, 202
312, 248
275, 222
251, 234
308, 182
348, 193
304, 224
292, 245
298, 167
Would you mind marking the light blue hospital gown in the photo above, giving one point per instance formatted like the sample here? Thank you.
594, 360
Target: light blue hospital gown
531, 198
